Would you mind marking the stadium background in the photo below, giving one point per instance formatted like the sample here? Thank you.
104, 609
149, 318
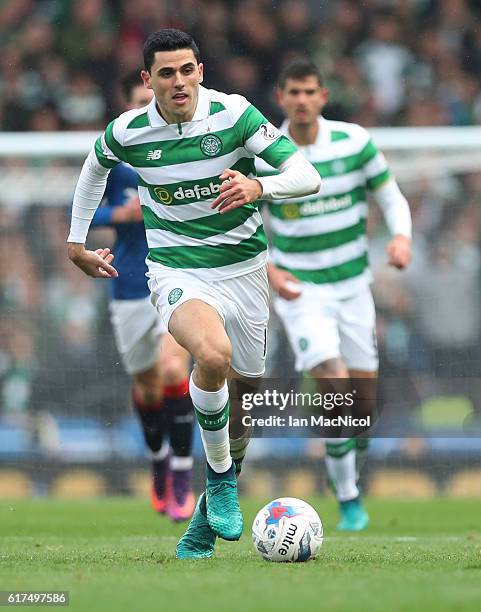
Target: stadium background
65, 425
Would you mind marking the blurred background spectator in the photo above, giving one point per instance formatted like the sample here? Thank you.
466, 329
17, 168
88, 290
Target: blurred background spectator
413, 62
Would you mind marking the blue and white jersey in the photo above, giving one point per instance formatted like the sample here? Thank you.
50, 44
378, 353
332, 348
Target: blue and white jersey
130, 247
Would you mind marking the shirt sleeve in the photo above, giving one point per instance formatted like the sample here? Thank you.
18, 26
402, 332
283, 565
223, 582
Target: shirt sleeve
107, 153
263, 139
108, 150
87, 197
296, 178
374, 166
395, 208
381, 182
103, 214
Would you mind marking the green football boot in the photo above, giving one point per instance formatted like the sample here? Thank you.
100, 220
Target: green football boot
353, 516
223, 511
199, 539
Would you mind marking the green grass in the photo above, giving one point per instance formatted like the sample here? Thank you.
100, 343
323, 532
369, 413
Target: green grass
115, 554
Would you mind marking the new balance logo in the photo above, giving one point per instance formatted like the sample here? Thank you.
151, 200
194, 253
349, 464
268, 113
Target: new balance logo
155, 154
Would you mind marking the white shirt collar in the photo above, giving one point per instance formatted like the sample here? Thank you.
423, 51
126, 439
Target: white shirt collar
201, 112
203, 105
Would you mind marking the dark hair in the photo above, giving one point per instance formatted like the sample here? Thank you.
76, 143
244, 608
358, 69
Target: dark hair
299, 69
167, 40
129, 82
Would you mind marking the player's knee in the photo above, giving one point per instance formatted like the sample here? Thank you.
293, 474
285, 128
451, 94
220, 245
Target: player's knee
215, 359
331, 368
149, 388
174, 370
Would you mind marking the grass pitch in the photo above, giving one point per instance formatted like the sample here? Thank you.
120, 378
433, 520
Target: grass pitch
116, 554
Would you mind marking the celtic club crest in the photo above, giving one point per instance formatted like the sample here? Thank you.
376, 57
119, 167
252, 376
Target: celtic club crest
211, 145
175, 295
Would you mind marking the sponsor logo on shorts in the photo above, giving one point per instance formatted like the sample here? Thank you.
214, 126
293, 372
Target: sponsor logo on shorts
303, 344
164, 196
175, 295
269, 132
211, 145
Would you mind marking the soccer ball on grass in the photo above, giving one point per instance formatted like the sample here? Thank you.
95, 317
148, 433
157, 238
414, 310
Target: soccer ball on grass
287, 529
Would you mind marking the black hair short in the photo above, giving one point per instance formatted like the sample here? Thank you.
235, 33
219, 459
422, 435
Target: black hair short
168, 39
129, 82
299, 69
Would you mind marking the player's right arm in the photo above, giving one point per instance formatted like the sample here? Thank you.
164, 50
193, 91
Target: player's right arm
88, 194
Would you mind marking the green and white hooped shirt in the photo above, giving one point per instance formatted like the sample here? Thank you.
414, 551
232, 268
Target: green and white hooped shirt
178, 166
322, 239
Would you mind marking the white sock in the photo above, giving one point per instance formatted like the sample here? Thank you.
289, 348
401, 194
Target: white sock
162, 453
212, 412
180, 464
341, 467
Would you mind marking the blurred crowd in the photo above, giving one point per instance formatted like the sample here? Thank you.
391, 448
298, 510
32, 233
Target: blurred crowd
408, 62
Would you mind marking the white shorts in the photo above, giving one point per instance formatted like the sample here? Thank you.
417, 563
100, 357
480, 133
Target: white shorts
137, 329
242, 303
322, 327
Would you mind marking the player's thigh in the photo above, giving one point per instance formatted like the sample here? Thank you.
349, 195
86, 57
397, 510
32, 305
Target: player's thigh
312, 329
198, 327
191, 311
357, 324
246, 304
135, 326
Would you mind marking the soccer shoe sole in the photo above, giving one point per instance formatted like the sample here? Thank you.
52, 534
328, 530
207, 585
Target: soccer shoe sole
199, 540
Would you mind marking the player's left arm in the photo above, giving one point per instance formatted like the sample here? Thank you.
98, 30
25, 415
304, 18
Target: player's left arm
393, 204
296, 177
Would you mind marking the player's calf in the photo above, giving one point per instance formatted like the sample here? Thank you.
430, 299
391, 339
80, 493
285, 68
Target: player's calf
180, 418
239, 433
153, 422
149, 406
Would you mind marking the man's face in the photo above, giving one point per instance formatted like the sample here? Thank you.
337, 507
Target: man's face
175, 77
302, 99
139, 96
